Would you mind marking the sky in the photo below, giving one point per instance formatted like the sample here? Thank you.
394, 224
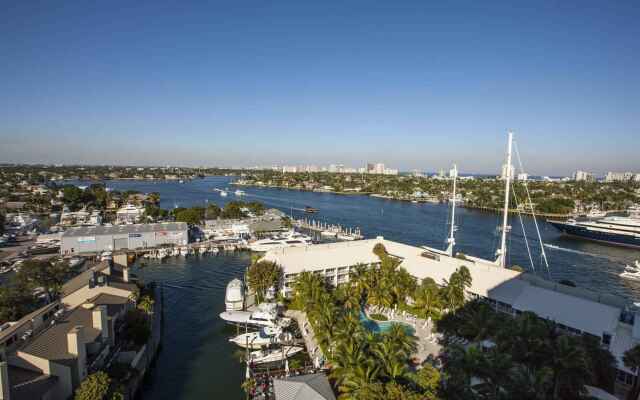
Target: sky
413, 84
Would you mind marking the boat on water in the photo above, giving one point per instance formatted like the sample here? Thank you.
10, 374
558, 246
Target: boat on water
273, 355
234, 295
266, 336
615, 230
239, 192
223, 193
265, 315
310, 210
328, 233
106, 256
287, 239
632, 273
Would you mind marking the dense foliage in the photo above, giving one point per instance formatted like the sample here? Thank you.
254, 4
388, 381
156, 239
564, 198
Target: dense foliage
18, 296
526, 357
261, 276
94, 387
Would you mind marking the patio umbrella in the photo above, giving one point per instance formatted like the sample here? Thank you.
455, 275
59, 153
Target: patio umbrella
247, 374
286, 367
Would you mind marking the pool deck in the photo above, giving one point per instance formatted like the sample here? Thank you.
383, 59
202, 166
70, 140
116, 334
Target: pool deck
427, 344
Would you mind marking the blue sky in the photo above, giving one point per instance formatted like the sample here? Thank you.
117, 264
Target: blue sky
413, 84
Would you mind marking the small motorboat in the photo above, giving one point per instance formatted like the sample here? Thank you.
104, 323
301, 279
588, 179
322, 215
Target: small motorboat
223, 193
239, 192
234, 295
266, 336
310, 210
106, 256
273, 355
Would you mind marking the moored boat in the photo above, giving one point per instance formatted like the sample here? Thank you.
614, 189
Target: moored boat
234, 295
273, 355
264, 337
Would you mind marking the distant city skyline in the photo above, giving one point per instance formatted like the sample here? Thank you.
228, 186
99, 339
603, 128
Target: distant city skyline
411, 85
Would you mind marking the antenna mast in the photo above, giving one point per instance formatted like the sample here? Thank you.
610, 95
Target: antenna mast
452, 240
502, 253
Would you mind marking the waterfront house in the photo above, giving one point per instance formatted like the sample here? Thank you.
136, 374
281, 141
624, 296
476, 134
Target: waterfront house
47, 353
575, 311
129, 214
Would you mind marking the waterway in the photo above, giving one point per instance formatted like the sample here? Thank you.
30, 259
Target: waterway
197, 362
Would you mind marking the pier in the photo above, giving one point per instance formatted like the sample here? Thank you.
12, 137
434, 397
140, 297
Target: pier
325, 229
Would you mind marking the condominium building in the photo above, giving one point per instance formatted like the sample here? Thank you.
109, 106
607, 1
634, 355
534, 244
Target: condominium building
48, 353
619, 176
583, 176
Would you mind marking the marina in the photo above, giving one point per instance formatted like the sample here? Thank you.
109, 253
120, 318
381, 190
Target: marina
193, 279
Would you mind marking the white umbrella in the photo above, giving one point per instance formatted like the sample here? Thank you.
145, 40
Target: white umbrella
286, 367
247, 375
316, 362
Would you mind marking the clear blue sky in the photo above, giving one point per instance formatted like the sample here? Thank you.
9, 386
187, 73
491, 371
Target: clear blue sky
414, 84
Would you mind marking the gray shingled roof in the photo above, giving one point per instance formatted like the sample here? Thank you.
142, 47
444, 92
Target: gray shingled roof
124, 229
82, 279
29, 385
303, 387
51, 343
114, 303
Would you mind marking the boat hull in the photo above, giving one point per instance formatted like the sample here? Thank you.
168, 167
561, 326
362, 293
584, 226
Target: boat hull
596, 236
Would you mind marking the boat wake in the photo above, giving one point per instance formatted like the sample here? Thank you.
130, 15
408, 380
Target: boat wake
584, 253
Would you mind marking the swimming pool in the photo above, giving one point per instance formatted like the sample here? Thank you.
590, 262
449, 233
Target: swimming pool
383, 326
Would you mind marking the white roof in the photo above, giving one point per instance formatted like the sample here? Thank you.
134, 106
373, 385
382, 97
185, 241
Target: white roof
586, 315
488, 280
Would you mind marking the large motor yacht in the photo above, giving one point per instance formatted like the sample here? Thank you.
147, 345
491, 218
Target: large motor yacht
288, 239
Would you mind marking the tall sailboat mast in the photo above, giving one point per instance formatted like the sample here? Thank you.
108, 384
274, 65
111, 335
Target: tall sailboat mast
452, 240
502, 253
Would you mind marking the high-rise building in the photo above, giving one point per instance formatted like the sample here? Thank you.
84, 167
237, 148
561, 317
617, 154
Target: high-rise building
583, 176
523, 176
618, 176
506, 170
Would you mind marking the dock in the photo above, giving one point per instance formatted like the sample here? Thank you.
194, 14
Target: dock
326, 229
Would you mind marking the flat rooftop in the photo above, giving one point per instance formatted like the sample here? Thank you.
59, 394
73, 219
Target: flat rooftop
575, 307
124, 229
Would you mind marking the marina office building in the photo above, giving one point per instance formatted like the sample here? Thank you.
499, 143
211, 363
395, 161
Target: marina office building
94, 239
575, 310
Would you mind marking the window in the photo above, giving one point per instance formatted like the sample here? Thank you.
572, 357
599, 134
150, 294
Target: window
606, 339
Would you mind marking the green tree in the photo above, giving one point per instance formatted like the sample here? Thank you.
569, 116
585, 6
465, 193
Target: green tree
193, 216
51, 276
94, 387
137, 327
263, 275
212, 211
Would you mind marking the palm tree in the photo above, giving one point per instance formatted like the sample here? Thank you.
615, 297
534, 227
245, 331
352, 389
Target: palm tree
631, 359
570, 368
428, 302
359, 383
528, 384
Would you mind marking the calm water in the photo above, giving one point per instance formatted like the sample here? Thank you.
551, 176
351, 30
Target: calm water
197, 361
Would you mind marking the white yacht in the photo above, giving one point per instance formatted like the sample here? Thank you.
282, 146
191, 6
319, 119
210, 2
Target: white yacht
234, 296
264, 337
265, 315
288, 239
106, 256
223, 193
274, 355
239, 192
